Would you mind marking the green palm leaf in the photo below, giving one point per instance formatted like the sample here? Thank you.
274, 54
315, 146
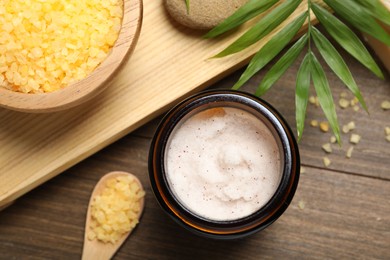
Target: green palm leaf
262, 28
346, 38
363, 14
302, 93
360, 18
376, 9
336, 63
188, 6
251, 9
281, 66
271, 49
325, 98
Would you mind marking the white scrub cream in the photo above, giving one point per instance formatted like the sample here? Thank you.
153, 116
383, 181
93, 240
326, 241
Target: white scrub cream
223, 163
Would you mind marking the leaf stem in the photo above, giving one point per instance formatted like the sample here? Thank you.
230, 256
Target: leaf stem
188, 6
309, 23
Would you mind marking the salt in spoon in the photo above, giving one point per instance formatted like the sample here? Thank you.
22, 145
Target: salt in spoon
95, 249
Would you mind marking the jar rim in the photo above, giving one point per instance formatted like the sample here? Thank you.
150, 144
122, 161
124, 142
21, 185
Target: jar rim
259, 219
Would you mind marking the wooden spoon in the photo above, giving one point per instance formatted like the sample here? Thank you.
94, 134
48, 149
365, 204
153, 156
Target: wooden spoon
96, 249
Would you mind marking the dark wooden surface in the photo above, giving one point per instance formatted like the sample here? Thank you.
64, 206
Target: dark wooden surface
340, 212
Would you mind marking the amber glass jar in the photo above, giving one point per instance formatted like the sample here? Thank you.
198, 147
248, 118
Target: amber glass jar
232, 228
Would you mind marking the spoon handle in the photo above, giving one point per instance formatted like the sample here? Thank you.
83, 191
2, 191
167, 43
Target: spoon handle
95, 252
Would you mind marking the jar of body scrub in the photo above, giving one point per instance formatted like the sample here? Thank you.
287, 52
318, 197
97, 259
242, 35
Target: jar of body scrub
224, 164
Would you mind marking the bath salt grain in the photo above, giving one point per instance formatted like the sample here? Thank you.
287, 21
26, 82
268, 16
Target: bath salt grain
385, 105
327, 148
301, 205
349, 152
387, 130
344, 103
324, 126
47, 45
314, 123
115, 211
326, 161
355, 138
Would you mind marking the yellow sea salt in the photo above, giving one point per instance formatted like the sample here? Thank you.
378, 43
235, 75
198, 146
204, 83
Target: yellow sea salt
354, 101
344, 103
348, 127
326, 161
387, 130
355, 138
47, 45
301, 204
327, 148
351, 125
324, 126
314, 123
343, 94
115, 211
385, 105
349, 152
345, 129
314, 101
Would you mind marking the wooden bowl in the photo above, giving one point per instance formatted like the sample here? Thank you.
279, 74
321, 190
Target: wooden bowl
92, 85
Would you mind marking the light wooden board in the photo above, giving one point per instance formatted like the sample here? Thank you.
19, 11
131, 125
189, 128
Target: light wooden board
169, 62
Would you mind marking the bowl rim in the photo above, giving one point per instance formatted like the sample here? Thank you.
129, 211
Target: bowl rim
95, 82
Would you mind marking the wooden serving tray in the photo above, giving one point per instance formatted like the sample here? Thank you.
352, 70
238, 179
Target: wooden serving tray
169, 62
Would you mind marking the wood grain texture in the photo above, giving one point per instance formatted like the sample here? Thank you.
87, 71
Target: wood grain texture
344, 216
92, 85
169, 62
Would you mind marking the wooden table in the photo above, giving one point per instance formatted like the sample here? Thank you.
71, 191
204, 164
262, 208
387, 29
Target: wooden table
342, 211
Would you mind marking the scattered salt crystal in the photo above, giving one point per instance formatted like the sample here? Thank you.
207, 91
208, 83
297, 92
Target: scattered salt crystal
327, 148
301, 204
354, 101
348, 127
385, 105
349, 152
312, 100
351, 125
324, 126
345, 129
343, 103
326, 161
387, 130
355, 139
